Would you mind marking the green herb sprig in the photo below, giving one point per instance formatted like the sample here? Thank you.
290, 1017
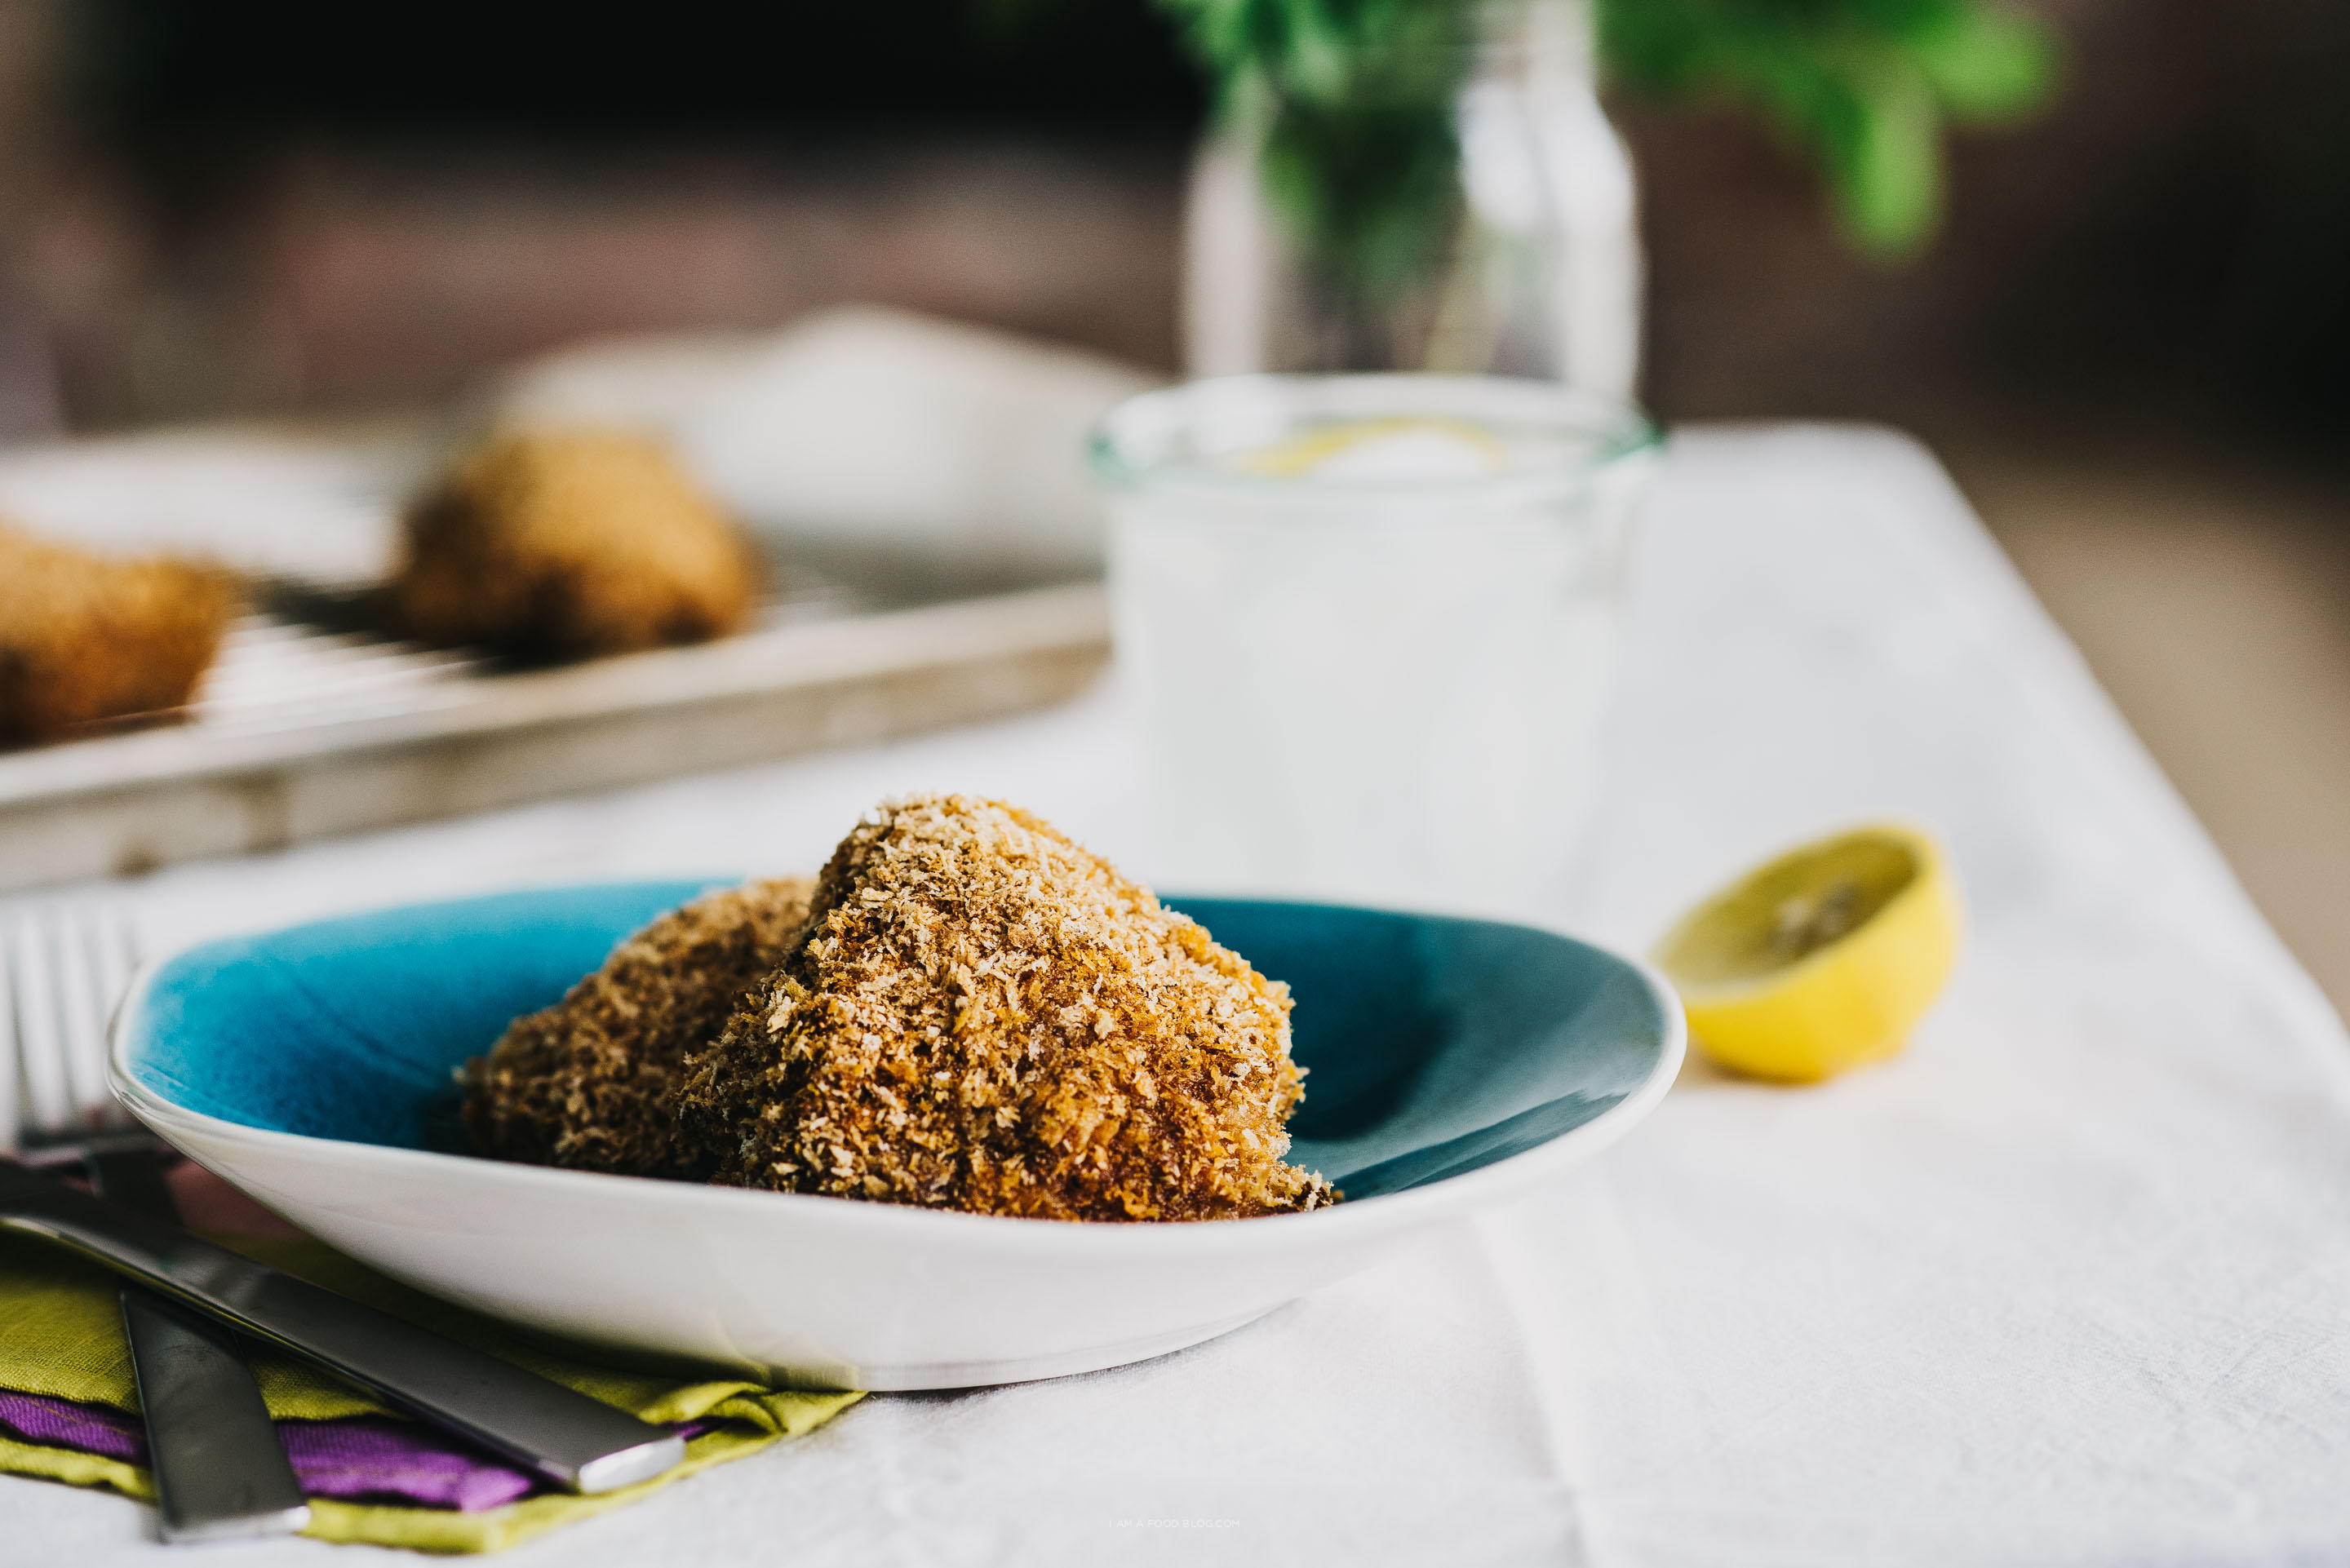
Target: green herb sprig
1349, 104
1351, 101
1868, 86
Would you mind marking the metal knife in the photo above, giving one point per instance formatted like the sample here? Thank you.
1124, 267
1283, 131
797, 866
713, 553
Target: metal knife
220, 1472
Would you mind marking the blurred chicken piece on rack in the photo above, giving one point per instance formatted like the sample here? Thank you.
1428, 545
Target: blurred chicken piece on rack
86, 638
568, 543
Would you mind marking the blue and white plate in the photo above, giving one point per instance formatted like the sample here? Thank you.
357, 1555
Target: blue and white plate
1452, 1062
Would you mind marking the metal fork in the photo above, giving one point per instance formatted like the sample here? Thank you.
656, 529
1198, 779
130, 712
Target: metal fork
220, 1472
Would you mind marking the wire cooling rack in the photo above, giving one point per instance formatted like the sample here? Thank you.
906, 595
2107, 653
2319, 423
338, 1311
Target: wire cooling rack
315, 721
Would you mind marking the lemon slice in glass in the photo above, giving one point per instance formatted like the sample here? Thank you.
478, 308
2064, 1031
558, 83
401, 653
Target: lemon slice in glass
1822, 958
1382, 449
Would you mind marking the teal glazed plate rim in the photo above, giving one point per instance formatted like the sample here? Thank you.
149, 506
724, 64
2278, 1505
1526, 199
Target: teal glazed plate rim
1452, 1063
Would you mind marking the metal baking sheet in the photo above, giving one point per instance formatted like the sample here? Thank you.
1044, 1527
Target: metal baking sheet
313, 722
303, 731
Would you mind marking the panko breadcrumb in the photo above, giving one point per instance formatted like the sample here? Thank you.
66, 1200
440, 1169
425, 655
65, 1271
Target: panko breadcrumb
569, 542
982, 1015
585, 1083
83, 637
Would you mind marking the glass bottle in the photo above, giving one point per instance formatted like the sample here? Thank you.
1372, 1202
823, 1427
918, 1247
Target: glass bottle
1528, 257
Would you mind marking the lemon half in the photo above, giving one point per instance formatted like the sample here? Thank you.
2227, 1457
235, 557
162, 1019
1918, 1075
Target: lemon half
1820, 959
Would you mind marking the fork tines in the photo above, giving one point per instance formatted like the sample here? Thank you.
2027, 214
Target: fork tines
63, 967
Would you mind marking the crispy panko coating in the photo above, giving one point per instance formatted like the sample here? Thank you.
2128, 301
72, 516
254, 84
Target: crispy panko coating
83, 637
570, 543
586, 1083
982, 1015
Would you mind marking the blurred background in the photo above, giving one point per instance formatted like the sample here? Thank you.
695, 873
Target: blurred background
2130, 342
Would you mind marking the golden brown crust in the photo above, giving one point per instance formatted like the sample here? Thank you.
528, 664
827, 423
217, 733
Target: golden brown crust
569, 542
585, 1083
982, 1015
83, 637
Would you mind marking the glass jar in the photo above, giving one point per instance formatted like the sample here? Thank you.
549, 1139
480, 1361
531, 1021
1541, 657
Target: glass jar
1369, 626
1470, 212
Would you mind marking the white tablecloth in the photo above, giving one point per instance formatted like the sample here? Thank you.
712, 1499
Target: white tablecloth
2067, 1282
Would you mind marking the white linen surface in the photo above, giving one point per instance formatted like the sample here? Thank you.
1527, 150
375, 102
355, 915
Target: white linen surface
2068, 1283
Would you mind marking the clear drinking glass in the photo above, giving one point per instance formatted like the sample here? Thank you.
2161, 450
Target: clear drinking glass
1370, 622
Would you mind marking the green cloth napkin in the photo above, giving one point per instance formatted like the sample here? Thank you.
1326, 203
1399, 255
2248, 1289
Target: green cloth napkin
62, 1335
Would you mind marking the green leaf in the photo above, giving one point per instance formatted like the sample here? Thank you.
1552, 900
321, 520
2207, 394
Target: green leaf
1888, 173
1988, 64
1865, 84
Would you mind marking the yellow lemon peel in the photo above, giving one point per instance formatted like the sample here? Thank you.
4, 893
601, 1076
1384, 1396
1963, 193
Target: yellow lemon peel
1822, 958
1304, 453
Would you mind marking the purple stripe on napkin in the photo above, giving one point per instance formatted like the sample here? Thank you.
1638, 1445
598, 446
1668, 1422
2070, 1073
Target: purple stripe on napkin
369, 1456
98, 1430
398, 1461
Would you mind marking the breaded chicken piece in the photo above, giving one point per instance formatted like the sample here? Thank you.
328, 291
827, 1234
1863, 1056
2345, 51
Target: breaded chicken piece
585, 1083
568, 543
984, 1016
85, 637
